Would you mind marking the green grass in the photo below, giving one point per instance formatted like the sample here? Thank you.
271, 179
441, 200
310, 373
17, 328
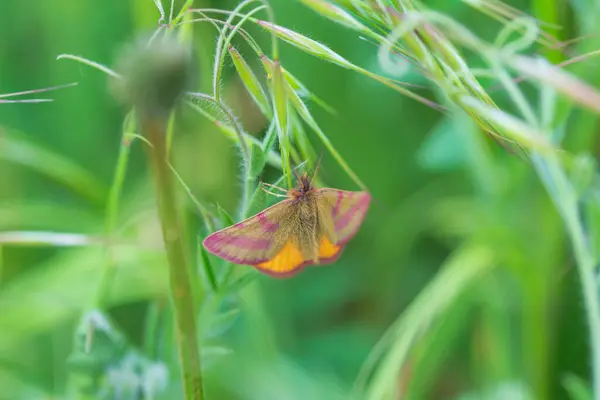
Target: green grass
474, 275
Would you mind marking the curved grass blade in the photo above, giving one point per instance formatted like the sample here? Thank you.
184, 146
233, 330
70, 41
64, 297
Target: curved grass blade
460, 271
15, 148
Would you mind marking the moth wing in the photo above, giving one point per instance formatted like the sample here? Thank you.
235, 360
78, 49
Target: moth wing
252, 241
348, 210
290, 260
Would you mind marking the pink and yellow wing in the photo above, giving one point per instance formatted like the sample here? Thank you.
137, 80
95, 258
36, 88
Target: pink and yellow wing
258, 241
348, 210
252, 241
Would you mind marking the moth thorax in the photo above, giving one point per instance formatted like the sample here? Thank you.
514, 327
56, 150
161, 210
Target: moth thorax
307, 226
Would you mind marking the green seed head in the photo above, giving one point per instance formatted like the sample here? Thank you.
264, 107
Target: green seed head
154, 75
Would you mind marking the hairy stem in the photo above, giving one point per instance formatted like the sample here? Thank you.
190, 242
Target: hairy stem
179, 270
566, 203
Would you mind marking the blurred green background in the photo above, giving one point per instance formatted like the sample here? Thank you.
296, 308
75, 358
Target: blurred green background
517, 331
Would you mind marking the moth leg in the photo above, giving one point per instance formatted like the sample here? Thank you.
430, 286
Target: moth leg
274, 187
274, 194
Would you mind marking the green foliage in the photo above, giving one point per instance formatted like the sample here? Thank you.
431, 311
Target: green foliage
474, 275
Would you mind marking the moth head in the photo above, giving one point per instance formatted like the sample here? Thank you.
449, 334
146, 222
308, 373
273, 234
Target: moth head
304, 182
304, 186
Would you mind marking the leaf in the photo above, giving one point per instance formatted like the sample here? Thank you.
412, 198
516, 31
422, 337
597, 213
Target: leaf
304, 43
582, 174
512, 390
212, 354
577, 388
220, 324
258, 159
513, 127
273, 157
53, 239
337, 14
460, 271
563, 82
321, 51
224, 216
281, 116
251, 82
59, 289
443, 149
48, 89
18, 149
308, 118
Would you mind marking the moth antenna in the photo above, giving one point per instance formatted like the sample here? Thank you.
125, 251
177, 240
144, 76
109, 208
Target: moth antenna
316, 168
296, 175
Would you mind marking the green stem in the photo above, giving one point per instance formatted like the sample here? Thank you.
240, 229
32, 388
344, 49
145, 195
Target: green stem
1, 264
112, 213
179, 271
566, 203
565, 200
151, 328
549, 11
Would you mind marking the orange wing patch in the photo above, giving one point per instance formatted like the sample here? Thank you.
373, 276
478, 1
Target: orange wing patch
328, 250
286, 261
290, 259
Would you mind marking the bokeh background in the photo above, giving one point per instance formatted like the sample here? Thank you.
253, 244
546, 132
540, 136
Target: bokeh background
515, 331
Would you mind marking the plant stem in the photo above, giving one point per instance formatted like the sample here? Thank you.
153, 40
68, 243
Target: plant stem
566, 203
112, 209
585, 263
179, 271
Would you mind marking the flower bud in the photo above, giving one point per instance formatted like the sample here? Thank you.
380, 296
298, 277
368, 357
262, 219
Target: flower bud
154, 75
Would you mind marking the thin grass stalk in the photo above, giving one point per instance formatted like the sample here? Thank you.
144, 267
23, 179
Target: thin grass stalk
566, 202
112, 210
179, 269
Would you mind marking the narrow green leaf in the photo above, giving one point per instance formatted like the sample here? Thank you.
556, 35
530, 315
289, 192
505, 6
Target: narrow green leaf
297, 85
90, 63
16, 148
304, 43
221, 323
512, 126
225, 216
301, 139
281, 115
207, 267
33, 91
41, 238
270, 137
251, 82
563, 82
337, 14
460, 271
321, 51
273, 158
257, 159
577, 388
305, 114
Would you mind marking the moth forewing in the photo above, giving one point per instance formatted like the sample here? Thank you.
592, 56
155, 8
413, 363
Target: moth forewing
325, 215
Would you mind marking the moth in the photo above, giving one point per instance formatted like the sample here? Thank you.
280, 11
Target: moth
310, 227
